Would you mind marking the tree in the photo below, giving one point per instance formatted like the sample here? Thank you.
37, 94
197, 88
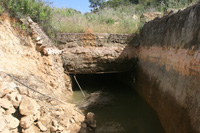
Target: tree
95, 4
134, 1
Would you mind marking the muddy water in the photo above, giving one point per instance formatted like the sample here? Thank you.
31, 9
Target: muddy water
119, 109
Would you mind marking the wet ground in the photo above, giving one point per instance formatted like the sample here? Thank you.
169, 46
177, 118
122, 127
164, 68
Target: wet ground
117, 108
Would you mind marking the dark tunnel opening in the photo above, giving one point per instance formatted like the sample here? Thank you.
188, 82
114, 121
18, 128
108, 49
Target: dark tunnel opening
117, 107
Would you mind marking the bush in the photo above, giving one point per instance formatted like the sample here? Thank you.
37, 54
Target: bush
39, 11
1, 9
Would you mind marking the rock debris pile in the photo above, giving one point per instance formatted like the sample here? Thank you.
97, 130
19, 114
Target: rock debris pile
21, 113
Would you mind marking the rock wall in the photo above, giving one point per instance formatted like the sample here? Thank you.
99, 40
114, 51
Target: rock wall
168, 71
90, 60
92, 39
87, 53
43, 106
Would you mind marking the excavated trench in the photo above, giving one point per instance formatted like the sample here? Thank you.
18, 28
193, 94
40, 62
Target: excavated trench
117, 107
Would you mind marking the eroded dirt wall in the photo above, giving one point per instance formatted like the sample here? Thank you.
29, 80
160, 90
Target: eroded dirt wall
169, 69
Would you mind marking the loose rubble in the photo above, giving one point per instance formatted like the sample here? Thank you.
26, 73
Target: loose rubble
22, 109
32, 115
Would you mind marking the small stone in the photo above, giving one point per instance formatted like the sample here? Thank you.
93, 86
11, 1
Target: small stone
55, 123
26, 121
41, 126
29, 20
2, 111
31, 129
11, 121
72, 120
65, 131
5, 103
7, 87
23, 90
11, 110
90, 119
38, 38
40, 42
60, 128
53, 129
12, 86
28, 106
15, 98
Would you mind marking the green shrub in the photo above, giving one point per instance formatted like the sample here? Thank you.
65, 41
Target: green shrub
38, 10
1, 9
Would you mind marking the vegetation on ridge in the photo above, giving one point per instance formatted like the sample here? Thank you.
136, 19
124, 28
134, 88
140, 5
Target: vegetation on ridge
112, 16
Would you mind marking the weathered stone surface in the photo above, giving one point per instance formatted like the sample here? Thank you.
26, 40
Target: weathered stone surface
11, 121
35, 72
6, 87
41, 126
92, 39
96, 53
5, 103
98, 59
15, 98
11, 110
60, 128
53, 128
32, 129
91, 120
146, 17
27, 121
28, 106
169, 60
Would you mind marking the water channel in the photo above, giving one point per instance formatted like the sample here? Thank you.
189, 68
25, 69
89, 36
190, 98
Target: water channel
118, 108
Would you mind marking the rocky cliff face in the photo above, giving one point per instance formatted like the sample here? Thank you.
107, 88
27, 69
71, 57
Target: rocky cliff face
169, 60
43, 106
89, 52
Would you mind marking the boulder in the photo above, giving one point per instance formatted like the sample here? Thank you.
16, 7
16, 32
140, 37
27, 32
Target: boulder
146, 17
90, 120
11, 110
27, 121
15, 98
28, 106
11, 121
31, 129
6, 87
53, 128
5, 103
41, 127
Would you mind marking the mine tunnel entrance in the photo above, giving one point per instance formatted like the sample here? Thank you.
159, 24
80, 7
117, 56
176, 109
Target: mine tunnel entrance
117, 107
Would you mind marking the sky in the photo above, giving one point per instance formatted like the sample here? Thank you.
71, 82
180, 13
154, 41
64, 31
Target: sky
80, 5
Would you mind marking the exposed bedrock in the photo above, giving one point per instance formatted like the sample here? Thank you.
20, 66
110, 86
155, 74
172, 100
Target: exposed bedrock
89, 53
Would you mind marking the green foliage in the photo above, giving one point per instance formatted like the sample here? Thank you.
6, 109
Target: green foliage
96, 3
112, 16
116, 3
38, 10
1, 9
